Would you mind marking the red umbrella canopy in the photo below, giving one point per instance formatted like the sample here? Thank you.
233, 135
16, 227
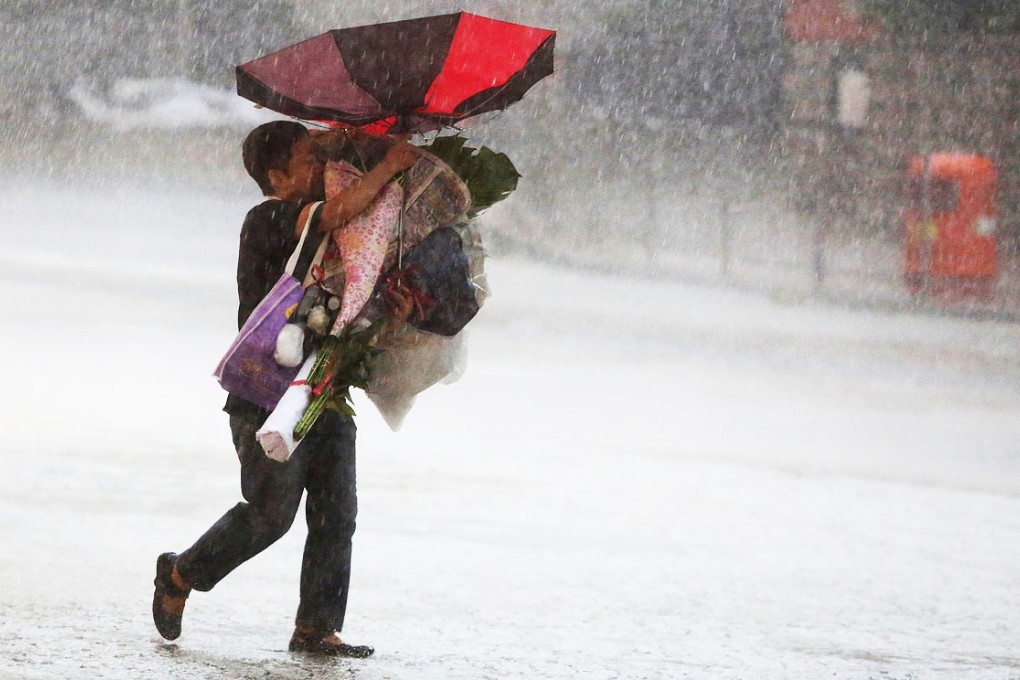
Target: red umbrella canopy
413, 75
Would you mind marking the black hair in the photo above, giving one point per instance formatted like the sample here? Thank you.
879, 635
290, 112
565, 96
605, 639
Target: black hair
268, 147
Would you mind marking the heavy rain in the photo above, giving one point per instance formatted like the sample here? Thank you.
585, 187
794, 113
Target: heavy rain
740, 403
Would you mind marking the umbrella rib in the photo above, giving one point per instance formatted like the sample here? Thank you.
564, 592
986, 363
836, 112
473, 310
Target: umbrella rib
483, 103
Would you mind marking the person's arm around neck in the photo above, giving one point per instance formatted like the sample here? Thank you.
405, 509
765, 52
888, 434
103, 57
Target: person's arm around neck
337, 211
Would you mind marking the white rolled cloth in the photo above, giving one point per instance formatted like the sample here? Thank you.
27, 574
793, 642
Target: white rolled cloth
277, 434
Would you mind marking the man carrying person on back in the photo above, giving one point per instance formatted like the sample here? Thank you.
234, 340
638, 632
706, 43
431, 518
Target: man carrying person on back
287, 162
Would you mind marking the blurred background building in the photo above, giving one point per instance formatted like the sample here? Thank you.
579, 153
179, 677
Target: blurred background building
940, 76
757, 142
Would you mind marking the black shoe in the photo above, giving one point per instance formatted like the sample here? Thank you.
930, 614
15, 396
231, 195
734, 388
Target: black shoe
327, 644
165, 614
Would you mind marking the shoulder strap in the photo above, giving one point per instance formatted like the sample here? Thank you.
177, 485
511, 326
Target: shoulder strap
311, 237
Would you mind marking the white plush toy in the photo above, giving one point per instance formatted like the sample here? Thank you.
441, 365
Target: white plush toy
290, 346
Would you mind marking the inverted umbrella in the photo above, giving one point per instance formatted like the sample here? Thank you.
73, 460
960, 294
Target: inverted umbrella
414, 75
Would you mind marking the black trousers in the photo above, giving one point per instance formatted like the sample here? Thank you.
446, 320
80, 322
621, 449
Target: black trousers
324, 465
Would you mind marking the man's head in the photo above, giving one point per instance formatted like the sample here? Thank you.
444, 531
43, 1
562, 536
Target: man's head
284, 160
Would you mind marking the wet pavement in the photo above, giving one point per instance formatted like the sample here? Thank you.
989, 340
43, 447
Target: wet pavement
634, 479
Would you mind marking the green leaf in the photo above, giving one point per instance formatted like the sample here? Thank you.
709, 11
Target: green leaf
490, 177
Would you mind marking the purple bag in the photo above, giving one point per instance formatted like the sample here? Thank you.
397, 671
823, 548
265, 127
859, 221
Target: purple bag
248, 369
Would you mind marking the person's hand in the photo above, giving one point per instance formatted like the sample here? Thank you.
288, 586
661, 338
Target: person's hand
330, 141
401, 155
400, 301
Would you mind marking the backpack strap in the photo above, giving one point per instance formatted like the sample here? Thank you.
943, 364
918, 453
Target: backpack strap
301, 260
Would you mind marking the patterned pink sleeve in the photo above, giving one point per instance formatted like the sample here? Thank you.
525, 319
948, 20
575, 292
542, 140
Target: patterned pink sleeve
363, 241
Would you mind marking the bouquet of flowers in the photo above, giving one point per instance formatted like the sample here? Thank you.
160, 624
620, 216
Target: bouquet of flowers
344, 308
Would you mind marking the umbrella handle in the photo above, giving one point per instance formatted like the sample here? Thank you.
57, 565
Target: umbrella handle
400, 228
402, 124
